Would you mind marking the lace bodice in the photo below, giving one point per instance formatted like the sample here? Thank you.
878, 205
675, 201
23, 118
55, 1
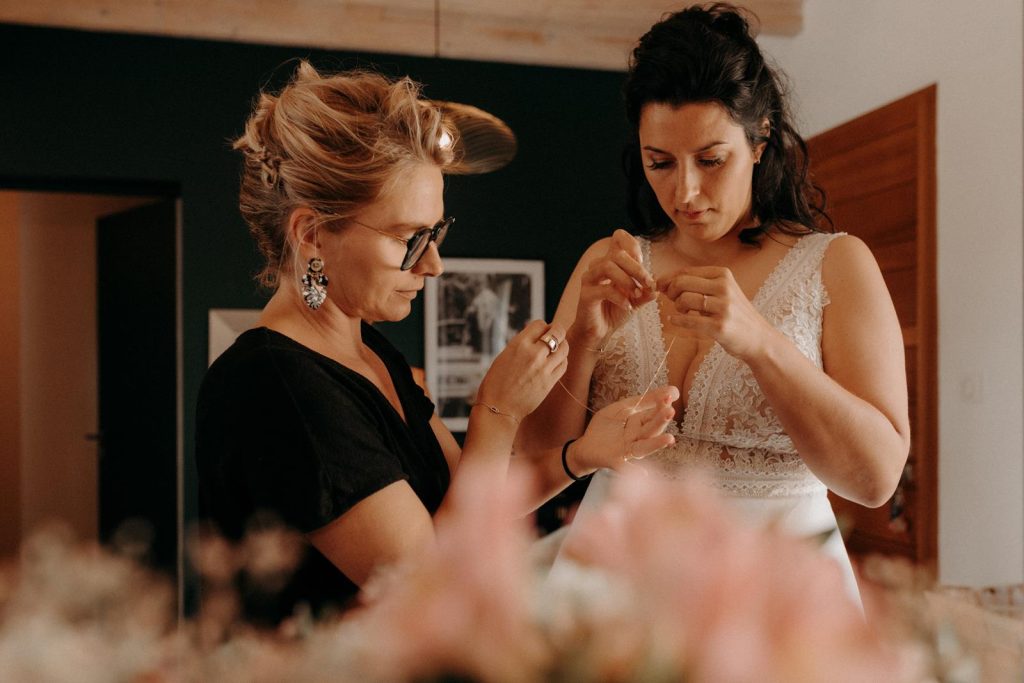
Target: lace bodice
728, 427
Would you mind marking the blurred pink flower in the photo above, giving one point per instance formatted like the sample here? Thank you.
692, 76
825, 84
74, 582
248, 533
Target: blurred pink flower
463, 608
725, 601
669, 585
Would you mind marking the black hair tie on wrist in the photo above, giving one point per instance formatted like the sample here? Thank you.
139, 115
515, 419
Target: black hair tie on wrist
565, 463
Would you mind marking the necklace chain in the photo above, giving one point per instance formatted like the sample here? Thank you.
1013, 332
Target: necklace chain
650, 384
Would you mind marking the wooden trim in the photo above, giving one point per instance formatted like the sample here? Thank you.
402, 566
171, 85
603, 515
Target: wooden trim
928, 329
580, 33
11, 403
879, 172
910, 337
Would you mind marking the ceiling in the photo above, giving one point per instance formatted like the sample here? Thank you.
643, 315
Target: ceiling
577, 33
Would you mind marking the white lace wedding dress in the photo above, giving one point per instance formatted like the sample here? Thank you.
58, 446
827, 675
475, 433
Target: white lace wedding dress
729, 429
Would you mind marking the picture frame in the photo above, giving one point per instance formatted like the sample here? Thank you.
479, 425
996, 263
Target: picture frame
470, 313
224, 325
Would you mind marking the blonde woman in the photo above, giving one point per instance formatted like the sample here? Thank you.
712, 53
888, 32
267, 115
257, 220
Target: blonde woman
313, 417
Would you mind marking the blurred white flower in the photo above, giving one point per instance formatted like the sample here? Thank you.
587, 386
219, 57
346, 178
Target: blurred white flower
667, 585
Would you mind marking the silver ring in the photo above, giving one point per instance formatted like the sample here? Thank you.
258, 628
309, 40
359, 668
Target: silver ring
551, 343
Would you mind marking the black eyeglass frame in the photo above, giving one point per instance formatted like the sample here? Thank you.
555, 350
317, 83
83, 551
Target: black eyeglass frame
417, 245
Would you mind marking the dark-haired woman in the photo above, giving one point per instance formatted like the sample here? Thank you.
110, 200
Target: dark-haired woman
781, 337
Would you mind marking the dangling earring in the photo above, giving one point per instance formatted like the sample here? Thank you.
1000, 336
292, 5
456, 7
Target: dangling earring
314, 283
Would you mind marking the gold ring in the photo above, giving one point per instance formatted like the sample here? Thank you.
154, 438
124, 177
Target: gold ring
704, 304
551, 342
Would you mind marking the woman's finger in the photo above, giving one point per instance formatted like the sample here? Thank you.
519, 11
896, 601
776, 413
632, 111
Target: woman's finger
646, 297
644, 447
607, 270
613, 295
706, 272
560, 367
534, 335
693, 301
658, 396
673, 286
553, 344
642, 280
559, 355
690, 322
556, 331
533, 329
647, 423
656, 426
627, 243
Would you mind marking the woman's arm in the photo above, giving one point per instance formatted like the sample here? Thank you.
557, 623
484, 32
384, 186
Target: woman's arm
392, 523
627, 430
600, 295
849, 423
379, 530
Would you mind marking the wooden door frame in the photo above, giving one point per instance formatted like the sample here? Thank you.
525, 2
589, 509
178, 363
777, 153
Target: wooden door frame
927, 326
920, 338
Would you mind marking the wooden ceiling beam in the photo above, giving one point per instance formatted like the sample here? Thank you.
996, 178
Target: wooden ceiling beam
577, 33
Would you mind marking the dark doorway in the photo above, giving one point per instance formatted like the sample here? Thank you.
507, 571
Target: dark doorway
138, 382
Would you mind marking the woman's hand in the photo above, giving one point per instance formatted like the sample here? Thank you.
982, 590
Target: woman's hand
629, 429
525, 371
710, 305
612, 285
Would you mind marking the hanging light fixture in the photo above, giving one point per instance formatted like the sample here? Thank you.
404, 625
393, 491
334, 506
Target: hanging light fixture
484, 142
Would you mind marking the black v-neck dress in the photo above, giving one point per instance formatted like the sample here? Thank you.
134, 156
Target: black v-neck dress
288, 434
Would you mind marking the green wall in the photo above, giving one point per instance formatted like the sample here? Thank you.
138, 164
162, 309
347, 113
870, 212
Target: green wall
122, 114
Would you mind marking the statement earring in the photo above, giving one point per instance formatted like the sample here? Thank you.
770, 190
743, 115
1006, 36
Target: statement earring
314, 283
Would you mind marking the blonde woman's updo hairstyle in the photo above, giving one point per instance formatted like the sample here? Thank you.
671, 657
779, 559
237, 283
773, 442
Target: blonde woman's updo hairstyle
333, 143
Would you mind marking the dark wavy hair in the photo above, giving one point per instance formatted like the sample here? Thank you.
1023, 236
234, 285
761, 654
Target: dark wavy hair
706, 53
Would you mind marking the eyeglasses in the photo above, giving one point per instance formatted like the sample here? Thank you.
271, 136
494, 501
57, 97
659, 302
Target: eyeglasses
417, 245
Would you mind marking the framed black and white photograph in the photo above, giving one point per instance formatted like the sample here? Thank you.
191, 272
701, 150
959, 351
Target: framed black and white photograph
471, 311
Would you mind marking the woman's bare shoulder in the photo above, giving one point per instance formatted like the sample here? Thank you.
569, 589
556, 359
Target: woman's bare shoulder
847, 251
848, 268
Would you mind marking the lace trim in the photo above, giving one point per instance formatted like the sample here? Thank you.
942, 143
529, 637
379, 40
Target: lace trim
617, 372
755, 473
728, 427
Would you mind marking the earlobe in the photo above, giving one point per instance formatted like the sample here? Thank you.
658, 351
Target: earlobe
766, 132
759, 151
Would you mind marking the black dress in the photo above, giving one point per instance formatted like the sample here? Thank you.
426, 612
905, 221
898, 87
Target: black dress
285, 432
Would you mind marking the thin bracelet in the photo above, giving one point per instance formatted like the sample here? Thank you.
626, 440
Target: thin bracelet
565, 462
495, 410
602, 347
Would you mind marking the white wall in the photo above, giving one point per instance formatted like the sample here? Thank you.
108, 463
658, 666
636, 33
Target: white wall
852, 57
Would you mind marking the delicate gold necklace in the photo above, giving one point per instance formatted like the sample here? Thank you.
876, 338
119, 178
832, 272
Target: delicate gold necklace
650, 384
